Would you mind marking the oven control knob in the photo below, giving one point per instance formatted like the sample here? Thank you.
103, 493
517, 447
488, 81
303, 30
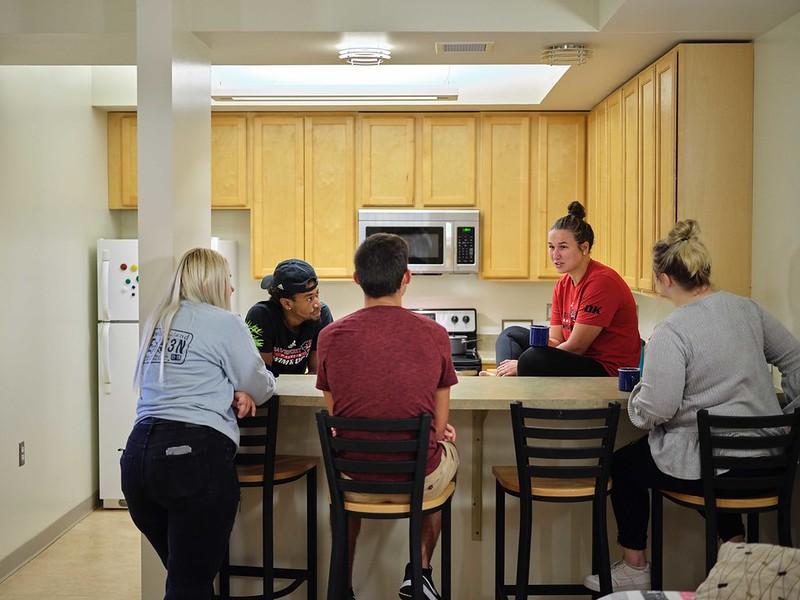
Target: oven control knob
454, 318
465, 318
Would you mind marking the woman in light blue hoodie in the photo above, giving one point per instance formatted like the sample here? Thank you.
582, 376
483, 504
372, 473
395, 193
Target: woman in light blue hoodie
197, 370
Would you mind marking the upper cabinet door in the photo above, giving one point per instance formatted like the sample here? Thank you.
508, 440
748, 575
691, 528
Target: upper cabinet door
630, 182
448, 160
616, 208
277, 222
559, 165
647, 177
387, 160
598, 208
122, 156
330, 239
505, 196
666, 129
229, 187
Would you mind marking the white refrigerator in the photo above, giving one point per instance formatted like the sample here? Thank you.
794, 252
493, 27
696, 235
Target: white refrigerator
118, 344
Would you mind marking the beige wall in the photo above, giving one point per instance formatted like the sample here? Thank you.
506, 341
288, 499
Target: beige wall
52, 209
776, 177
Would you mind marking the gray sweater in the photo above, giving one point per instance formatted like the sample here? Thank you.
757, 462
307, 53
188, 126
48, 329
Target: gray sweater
713, 353
210, 354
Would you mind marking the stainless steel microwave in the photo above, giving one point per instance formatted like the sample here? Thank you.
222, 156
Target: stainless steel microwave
439, 241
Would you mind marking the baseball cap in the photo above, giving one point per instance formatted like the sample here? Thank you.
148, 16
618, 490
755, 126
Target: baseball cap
291, 276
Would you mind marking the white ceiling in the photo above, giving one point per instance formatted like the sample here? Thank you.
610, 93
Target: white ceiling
625, 35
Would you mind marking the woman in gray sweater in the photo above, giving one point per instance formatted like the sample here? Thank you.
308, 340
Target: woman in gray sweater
711, 352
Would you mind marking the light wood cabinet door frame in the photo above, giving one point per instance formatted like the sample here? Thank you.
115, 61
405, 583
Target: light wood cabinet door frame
648, 161
330, 208
616, 205
229, 155
505, 196
630, 179
558, 168
666, 74
387, 154
598, 208
122, 157
277, 224
449, 160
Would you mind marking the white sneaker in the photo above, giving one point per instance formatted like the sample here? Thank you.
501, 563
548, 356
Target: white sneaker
623, 578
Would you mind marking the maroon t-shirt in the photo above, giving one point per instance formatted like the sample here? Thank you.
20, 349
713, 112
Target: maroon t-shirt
385, 362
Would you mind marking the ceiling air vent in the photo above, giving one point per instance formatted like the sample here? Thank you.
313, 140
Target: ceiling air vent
463, 47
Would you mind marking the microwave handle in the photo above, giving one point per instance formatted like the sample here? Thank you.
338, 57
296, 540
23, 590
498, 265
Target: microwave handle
449, 244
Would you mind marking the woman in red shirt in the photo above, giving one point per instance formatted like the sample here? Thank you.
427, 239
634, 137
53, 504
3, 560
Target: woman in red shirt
594, 329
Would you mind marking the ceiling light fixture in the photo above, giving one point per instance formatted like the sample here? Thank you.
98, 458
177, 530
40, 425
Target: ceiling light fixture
566, 54
365, 57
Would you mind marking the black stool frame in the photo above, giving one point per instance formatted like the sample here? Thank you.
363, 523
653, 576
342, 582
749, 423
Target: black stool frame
747, 477
602, 450
412, 464
268, 573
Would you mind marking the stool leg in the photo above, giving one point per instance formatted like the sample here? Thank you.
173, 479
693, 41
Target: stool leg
499, 542
337, 575
311, 533
784, 520
415, 541
267, 575
711, 539
225, 576
446, 550
524, 549
603, 559
752, 528
656, 540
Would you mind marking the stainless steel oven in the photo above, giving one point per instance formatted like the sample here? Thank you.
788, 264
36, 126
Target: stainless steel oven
439, 241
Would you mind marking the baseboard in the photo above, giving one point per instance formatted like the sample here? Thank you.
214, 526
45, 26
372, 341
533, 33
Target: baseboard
30, 549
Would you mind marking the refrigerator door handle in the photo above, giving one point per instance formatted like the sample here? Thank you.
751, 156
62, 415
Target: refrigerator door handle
103, 285
105, 355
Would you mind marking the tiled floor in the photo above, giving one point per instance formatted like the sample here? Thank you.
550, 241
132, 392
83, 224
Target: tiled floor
97, 559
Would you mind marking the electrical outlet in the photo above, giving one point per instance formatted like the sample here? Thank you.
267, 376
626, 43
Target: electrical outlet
548, 312
21, 454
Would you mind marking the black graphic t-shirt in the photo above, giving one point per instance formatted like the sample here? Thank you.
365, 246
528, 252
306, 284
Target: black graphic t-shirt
290, 349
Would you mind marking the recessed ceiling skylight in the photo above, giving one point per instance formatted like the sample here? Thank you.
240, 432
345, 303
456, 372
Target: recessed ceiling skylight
297, 85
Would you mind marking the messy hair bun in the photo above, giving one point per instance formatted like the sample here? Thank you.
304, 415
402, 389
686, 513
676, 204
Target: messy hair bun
683, 257
574, 222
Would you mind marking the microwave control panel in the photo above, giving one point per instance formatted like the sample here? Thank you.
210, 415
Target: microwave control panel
465, 245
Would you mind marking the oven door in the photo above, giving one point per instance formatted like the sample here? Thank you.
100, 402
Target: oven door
430, 245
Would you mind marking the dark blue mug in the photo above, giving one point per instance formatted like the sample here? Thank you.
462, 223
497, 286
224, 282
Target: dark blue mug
540, 335
628, 378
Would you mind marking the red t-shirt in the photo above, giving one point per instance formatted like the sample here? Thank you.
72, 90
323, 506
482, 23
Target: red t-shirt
385, 362
603, 299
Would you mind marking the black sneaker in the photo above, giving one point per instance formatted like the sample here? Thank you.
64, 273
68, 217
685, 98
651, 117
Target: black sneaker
428, 589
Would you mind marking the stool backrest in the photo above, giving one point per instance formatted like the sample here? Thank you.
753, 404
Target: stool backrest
582, 443
258, 438
403, 459
760, 454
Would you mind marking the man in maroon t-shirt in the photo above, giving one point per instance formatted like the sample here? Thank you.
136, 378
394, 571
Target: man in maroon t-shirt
384, 361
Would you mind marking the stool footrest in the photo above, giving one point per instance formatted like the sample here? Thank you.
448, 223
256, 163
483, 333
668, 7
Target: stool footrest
549, 589
277, 573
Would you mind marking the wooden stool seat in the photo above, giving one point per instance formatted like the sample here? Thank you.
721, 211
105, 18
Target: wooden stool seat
392, 508
732, 503
547, 487
287, 466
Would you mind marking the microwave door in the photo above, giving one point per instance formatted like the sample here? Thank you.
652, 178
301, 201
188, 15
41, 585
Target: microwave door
449, 247
428, 243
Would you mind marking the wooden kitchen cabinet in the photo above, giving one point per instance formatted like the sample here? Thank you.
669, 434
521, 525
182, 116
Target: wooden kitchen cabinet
330, 208
691, 114
278, 218
597, 182
386, 160
229, 169
449, 160
558, 168
504, 200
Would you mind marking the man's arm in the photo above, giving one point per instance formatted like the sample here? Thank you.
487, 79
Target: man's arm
580, 339
267, 356
328, 401
441, 411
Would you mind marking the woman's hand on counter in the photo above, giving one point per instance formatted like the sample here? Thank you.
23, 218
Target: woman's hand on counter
244, 405
507, 368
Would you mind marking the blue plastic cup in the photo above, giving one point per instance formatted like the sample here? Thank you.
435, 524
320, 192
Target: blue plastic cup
540, 335
628, 378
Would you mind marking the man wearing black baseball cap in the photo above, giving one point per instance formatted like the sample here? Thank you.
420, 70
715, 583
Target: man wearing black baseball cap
285, 327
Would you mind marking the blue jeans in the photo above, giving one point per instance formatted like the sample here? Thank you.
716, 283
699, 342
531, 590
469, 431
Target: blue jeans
180, 483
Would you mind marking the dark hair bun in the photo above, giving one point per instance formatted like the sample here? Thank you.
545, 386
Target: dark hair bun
576, 210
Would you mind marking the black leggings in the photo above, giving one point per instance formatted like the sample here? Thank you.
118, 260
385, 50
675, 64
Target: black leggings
514, 343
634, 474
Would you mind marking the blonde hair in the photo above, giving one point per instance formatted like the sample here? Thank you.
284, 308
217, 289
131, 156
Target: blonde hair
201, 277
683, 257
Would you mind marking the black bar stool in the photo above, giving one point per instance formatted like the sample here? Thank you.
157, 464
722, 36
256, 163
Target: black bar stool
405, 456
543, 481
258, 466
759, 482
